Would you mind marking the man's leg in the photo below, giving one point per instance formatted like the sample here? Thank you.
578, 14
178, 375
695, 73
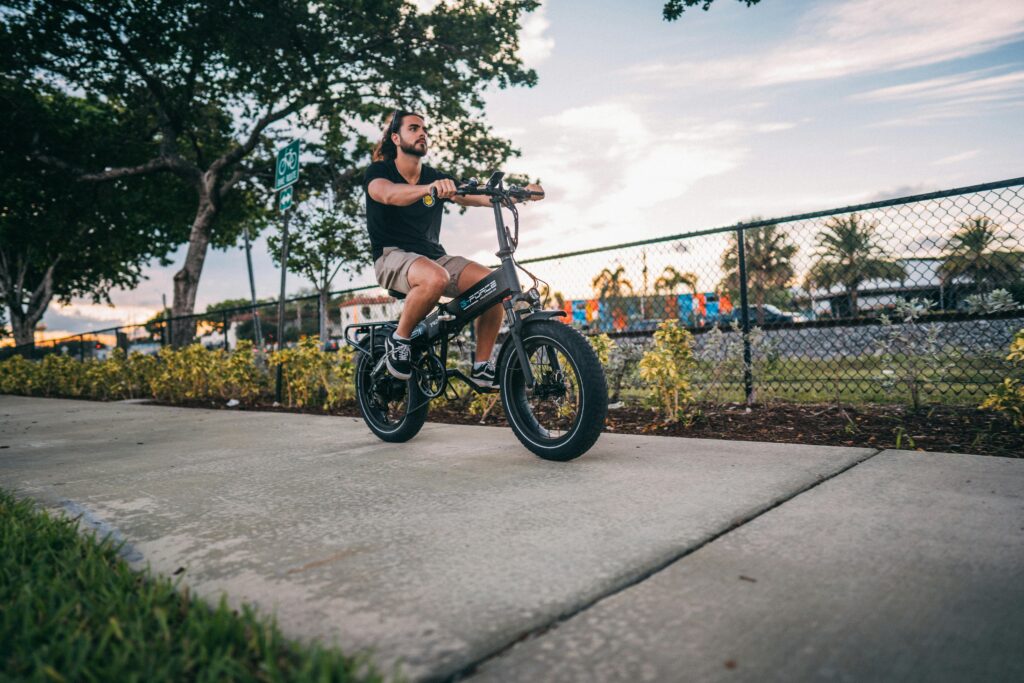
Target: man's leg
427, 281
488, 324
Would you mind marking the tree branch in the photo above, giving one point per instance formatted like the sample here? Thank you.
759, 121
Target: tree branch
249, 145
175, 164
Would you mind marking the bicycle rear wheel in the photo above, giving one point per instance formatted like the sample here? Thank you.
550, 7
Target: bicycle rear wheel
393, 409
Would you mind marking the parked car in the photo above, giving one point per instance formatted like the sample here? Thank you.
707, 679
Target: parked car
772, 315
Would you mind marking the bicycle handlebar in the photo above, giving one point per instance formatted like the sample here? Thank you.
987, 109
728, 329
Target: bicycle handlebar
473, 188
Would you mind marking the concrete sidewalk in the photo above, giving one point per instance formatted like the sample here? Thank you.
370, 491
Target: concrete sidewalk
441, 553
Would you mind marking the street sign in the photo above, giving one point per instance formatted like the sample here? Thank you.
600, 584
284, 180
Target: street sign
285, 199
287, 169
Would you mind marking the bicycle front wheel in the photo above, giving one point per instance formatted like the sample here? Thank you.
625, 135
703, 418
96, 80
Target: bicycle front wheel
562, 415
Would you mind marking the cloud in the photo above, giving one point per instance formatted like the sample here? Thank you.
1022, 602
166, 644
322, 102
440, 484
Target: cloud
957, 158
535, 46
612, 168
858, 37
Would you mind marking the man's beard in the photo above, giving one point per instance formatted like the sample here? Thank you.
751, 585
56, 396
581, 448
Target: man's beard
413, 149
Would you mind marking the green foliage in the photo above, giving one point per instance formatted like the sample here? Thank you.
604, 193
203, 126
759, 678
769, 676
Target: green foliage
769, 253
602, 345
73, 610
62, 238
666, 369
1009, 396
849, 255
313, 377
674, 9
912, 353
973, 254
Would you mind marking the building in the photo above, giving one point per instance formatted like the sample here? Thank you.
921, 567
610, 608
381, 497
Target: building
367, 309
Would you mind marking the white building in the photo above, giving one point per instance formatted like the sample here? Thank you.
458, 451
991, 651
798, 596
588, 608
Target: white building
368, 309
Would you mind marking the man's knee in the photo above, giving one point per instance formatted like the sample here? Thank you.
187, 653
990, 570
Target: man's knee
428, 275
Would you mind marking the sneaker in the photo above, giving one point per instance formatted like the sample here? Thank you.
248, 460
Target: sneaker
483, 374
398, 357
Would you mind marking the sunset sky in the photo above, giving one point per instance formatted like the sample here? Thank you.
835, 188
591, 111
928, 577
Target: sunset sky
640, 128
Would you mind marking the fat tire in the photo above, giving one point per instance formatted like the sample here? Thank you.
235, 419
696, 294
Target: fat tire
410, 424
593, 387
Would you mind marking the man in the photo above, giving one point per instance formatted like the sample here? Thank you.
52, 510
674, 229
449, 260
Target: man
404, 222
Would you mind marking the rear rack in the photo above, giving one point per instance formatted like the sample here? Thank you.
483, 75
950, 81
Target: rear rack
363, 328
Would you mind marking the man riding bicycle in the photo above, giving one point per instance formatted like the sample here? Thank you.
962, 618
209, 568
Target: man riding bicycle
404, 222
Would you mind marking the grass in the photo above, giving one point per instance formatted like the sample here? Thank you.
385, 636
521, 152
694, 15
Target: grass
72, 610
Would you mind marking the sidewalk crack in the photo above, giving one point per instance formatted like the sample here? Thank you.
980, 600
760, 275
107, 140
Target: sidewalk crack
536, 632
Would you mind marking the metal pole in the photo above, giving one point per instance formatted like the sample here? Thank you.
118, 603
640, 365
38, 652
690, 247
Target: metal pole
748, 373
81, 348
280, 306
252, 289
225, 316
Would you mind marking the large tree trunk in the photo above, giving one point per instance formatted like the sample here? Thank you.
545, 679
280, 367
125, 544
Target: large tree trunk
25, 316
186, 280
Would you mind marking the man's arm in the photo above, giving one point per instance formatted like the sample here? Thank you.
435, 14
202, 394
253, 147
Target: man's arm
395, 194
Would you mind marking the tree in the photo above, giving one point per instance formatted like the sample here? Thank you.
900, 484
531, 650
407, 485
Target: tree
848, 256
971, 254
214, 81
326, 236
671, 279
674, 8
769, 261
61, 239
612, 284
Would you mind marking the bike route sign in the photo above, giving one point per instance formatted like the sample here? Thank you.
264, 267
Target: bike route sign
287, 169
285, 197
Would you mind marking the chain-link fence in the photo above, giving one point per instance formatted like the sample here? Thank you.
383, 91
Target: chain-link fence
909, 298
224, 328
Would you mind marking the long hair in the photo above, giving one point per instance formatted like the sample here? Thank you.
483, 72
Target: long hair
386, 149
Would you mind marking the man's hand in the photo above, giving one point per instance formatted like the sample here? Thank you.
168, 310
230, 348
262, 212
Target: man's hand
445, 188
534, 187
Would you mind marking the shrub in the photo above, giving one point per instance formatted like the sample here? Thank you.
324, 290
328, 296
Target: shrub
666, 369
1009, 396
18, 375
191, 373
245, 377
61, 376
313, 376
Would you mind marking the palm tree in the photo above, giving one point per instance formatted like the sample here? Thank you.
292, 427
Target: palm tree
769, 259
848, 256
671, 279
971, 255
612, 284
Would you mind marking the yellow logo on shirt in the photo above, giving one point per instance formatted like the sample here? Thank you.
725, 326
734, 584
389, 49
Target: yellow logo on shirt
428, 200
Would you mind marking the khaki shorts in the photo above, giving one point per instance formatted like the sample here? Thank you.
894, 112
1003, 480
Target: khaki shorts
392, 270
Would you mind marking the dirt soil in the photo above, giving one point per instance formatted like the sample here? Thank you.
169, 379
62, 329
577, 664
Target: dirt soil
936, 428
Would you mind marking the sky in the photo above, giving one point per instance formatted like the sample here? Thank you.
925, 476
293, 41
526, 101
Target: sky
640, 128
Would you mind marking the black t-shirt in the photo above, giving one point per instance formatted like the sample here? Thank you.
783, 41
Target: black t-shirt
415, 228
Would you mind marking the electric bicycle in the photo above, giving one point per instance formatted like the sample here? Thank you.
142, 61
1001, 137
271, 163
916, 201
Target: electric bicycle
552, 386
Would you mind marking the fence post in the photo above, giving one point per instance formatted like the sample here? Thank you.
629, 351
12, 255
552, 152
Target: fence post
224, 315
748, 372
81, 348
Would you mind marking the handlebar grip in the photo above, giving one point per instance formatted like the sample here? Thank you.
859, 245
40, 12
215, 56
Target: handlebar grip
433, 193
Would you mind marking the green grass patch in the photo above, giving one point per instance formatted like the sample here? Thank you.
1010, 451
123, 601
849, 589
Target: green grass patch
71, 609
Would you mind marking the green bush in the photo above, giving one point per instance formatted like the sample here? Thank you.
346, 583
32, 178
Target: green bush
1009, 396
666, 370
315, 377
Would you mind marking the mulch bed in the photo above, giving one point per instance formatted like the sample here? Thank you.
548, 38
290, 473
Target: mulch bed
934, 428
